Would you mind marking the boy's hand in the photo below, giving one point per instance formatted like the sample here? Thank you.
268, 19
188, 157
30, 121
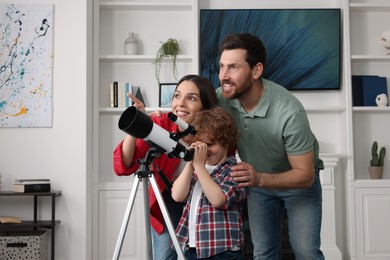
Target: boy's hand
200, 154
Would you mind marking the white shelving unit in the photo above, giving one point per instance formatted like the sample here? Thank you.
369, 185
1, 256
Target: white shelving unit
368, 200
358, 205
153, 22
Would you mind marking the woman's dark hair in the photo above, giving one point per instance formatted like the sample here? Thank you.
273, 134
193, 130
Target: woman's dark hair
207, 94
255, 49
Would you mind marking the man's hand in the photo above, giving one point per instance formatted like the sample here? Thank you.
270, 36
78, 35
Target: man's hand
246, 175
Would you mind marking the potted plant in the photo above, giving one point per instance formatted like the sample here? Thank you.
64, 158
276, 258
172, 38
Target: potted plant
377, 161
170, 48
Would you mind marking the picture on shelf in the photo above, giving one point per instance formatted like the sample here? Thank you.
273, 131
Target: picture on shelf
166, 93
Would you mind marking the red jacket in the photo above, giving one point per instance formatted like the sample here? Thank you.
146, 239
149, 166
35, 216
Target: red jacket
167, 165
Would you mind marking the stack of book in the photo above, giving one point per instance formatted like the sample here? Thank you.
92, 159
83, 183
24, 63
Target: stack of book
32, 185
118, 94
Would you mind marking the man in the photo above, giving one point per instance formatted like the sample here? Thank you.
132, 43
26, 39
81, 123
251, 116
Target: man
278, 150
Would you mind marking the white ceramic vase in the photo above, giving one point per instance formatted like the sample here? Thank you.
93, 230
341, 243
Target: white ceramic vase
131, 45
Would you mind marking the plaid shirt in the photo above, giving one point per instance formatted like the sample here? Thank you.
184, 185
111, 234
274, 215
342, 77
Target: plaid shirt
217, 230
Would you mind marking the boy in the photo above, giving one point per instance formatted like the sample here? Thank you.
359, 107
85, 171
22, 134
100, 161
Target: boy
211, 225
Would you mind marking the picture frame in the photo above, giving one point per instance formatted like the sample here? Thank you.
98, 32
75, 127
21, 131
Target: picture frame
303, 45
166, 91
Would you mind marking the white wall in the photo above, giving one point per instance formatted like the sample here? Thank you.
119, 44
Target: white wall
59, 153
62, 153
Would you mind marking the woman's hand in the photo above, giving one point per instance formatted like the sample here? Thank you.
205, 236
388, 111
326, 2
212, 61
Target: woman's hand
137, 103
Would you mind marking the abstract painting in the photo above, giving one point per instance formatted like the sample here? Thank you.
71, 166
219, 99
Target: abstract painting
303, 45
26, 65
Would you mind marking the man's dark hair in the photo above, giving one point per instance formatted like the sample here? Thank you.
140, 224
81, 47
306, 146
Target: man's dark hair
254, 47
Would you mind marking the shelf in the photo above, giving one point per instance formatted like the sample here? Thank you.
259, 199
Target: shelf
139, 58
35, 223
12, 193
371, 109
371, 57
147, 6
365, 7
29, 224
119, 110
368, 183
320, 109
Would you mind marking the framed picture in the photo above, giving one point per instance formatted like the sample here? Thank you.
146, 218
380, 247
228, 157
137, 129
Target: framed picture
166, 93
303, 45
26, 77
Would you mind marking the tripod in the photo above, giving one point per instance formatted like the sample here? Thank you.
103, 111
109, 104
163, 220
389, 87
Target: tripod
143, 173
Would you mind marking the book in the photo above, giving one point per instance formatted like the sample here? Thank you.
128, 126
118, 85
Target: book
116, 95
122, 95
112, 94
7, 219
128, 88
357, 90
372, 87
38, 187
31, 180
137, 93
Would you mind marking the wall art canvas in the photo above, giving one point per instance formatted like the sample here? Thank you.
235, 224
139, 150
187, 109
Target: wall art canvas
303, 45
26, 65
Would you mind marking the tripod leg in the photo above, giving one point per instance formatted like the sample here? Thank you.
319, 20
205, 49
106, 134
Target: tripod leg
126, 219
149, 250
167, 218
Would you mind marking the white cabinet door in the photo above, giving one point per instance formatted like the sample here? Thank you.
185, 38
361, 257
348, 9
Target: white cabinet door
112, 206
373, 223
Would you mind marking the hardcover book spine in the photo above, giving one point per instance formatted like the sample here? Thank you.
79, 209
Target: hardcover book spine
127, 103
112, 94
116, 96
44, 187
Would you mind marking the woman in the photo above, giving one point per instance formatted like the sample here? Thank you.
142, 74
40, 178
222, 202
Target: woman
192, 94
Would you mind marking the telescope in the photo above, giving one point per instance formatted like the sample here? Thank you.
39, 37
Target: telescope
139, 125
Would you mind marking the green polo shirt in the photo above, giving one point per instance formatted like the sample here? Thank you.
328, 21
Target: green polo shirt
277, 127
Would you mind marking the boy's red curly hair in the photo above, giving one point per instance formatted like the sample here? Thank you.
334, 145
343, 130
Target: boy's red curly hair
216, 124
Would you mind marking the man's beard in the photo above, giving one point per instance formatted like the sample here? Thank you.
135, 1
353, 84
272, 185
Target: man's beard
239, 93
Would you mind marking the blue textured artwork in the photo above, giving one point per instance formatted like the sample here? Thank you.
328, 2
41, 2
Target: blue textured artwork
303, 45
26, 63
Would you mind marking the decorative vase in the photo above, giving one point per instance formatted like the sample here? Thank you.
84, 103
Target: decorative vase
375, 172
131, 45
